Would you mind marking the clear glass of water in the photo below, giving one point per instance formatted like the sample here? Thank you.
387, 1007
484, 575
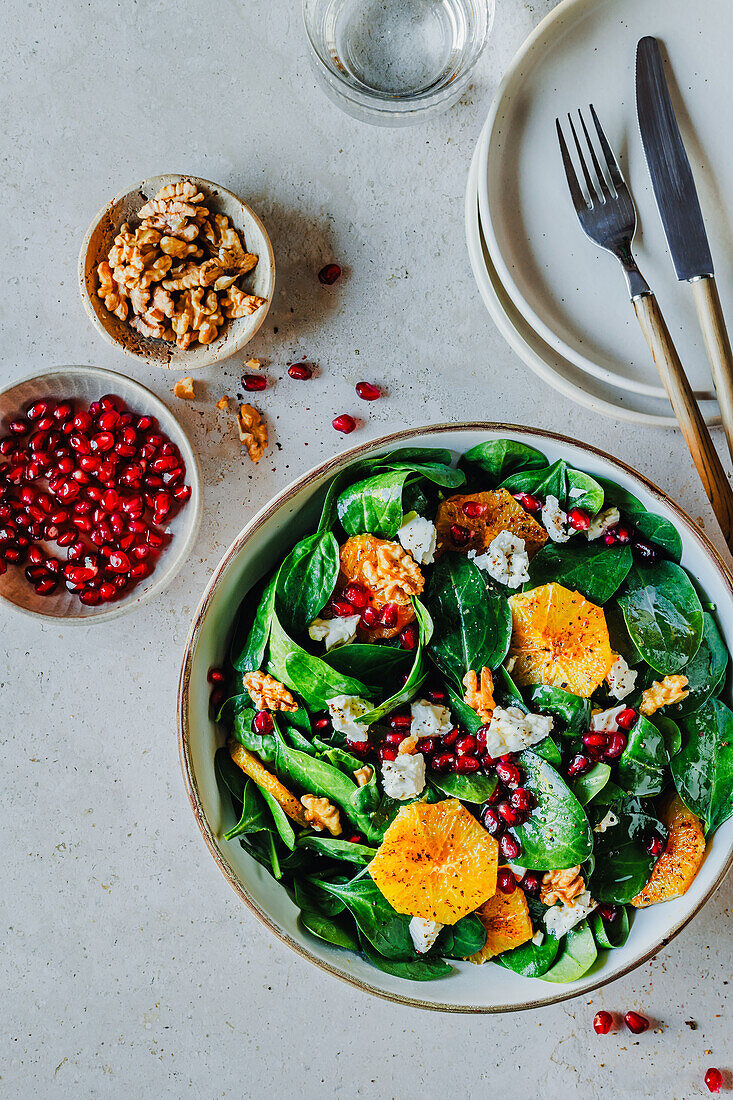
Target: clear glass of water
395, 62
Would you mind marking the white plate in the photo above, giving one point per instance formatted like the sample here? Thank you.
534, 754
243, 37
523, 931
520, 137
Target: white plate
572, 293
563, 376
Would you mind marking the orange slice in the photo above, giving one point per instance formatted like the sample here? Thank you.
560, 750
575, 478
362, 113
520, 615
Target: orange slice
559, 638
252, 767
356, 556
507, 922
436, 862
675, 870
503, 513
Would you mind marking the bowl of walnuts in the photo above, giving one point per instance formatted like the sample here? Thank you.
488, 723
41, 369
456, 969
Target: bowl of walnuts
177, 271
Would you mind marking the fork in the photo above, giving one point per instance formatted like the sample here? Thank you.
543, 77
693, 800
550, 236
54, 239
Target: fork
607, 215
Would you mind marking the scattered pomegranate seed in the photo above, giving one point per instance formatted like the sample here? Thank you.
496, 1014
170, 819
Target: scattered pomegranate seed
400, 721
388, 753
473, 509
626, 718
460, 535
713, 1079
508, 814
531, 883
359, 748
578, 519
369, 618
609, 539
616, 745
329, 274
409, 636
602, 1023
491, 821
262, 722
388, 615
505, 881
342, 608
609, 913
580, 764
344, 423
394, 738
508, 846
367, 391
595, 740
509, 773
449, 739
623, 535
655, 845
464, 765
254, 382
443, 762
523, 800
301, 371
636, 1023
529, 503
466, 745
216, 675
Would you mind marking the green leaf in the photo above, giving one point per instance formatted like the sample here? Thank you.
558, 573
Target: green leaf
307, 579
595, 570
469, 788
670, 731
374, 505
577, 958
663, 615
614, 934
307, 675
372, 664
617, 497
327, 929
445, 476
473, 621
282, 822
571, 713
411, 970
418, 672
506, 692
706, 669
623, 865
501, 457
386, 929
254, 817
660, 531
558, 480
703, 769
592, 497
549, 751
338, 849
464, 715
261, 743
531, 960
643, 764
557, 833
586, 787
229, 775
458, 941
250, 640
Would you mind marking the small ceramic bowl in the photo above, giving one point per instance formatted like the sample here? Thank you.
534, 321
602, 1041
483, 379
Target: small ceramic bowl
160, 353
291, 515
84, 385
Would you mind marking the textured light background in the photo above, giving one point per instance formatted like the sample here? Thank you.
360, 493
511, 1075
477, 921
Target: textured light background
129, 967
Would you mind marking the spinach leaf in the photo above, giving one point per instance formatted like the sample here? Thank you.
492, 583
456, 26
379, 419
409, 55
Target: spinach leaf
327, 929
458, 941
663, 615
612, 934
372, 664
569, 711
618, 634
229, 775
232, 706
549, 751
373, 505
557, 834
643, 763
447, 477
586, 787
411, 970
436, 455
595, 570
282, 822
501, 457
309, 894
670, 731
506, 691
418, 672
463, 715
660, 531
337, 849
618, 497
531, 960
577, 958
473, 621
261, 743
254, 817
307, 675
707, 668
248, 649
583, 491
623, 865
307, 579
703, 769
383, 926
559, 479
470, 788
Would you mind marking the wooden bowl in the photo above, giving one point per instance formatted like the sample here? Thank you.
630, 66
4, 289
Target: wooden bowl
160, 353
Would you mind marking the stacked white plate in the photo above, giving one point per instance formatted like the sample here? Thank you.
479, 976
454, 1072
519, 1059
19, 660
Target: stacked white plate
559, 300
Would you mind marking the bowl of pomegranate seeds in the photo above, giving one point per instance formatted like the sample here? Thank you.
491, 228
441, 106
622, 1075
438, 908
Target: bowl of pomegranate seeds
99, 494
455, 718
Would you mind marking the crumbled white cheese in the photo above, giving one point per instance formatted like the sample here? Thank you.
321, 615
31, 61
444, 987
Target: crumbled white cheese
561, 918
538, 937
512, 730
605, 720
621, 679
603, 522
419, 536
404, 777
334, 632
429, 720
576, 493
344, 711
506, 560
424, 933
555, 519
606, 822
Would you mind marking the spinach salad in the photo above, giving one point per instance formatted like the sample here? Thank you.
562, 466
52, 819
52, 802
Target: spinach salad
476, 714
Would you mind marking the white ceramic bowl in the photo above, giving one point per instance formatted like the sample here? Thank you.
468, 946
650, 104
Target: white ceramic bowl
161, 353
87, 384
293, 513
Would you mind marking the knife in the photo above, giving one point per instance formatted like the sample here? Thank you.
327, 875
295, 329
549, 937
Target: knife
679, 209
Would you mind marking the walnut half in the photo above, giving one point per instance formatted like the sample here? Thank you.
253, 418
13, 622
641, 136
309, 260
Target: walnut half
321, 814
252, 431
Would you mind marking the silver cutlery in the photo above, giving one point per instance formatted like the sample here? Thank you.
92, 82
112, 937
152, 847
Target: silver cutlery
607, 215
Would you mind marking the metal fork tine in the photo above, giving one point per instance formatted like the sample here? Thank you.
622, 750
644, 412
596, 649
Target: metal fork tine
579, 200
603, 182
615, 172
592, 187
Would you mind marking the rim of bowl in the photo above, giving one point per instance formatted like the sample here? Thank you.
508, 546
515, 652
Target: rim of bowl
195, 502
215, 355
266, 513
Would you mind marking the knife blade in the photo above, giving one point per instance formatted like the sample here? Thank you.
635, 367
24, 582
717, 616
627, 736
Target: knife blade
669, 167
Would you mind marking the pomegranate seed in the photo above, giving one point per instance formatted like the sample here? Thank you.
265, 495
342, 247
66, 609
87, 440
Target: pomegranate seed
609, 539
509, 774
644, 551
609, 913
426, 745
460, 535
46, 586
254, 382
616, 745
529, 502
19, 426
90, 597
216, 676
329, 274
359, 748
388, 753
636, 1023
508, 846
522, 799
109, 420
119, 562
449, 739
301, 371
395, 738
473, 509
442, 762
713, 1079
400, 721
409, 636
154, 538
655, 845
464, 765
623, 535
531, 883
103, 441
14, 554
508, 814
344, 423
111, 401
35, 556
357, 595
595, 740
369, 618
490, 819
37, 410
141, 553
182, 493
580, 764
626, 718
262, 722
342, 608
388, 615
367, 392
505, 881
602, 1023
466, 745
146, 422
107, 590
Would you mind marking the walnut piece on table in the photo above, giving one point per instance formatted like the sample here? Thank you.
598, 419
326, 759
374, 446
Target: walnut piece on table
252, 431
184, 388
